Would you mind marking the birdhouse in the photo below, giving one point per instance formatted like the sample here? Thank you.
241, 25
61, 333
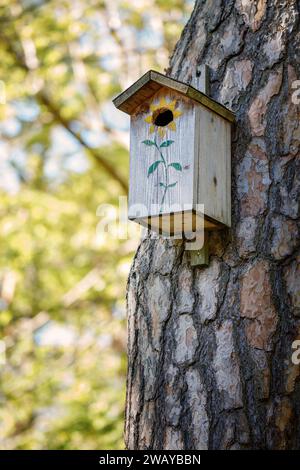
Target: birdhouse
180, 156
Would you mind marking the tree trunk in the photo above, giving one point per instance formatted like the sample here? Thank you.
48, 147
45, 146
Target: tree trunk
210, 348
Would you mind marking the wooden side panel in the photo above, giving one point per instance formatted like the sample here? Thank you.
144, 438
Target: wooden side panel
162, 157
214, 165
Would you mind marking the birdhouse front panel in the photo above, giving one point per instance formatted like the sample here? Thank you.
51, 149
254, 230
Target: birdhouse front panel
162, 149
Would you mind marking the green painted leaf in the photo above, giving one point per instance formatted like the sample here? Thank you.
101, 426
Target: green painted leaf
153, 167
177, 166
166, 143
172, 185
148, 142
162, 184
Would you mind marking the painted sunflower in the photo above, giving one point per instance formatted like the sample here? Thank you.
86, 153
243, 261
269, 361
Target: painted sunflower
163, 117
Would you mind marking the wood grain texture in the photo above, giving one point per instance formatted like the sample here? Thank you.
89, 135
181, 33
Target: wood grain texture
178, 223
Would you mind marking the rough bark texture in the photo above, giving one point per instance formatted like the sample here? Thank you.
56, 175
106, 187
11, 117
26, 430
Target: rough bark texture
210, 348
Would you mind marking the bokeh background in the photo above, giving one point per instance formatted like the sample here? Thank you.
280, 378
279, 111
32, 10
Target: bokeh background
64, 153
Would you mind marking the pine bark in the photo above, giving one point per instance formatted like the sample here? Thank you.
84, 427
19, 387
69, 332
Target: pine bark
209, 349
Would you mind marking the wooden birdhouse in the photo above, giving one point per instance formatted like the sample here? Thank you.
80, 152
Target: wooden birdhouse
180, 156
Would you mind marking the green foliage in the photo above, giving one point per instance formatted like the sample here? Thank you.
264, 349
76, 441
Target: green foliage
62, 282
56, 395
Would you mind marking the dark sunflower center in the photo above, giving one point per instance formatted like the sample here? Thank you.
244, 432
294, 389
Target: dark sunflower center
162, 117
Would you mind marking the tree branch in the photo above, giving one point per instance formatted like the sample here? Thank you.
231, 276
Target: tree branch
44, 99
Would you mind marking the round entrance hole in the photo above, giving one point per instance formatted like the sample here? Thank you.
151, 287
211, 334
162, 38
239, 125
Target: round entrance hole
163, 117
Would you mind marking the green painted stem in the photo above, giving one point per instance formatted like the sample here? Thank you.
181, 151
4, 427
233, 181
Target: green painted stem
166, 175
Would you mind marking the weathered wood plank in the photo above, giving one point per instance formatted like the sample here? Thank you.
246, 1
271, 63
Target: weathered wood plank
178, 223
177, 172
214, 168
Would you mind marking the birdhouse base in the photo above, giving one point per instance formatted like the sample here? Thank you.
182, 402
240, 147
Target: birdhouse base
184, 223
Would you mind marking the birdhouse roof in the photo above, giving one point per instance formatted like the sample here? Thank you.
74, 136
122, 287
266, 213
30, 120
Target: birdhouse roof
145, 87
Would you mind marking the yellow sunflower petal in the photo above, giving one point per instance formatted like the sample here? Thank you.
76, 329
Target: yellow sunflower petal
161, 132
148, 119
172, 105
172, 126
151, 129
154, 107
163, 103
177, 113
